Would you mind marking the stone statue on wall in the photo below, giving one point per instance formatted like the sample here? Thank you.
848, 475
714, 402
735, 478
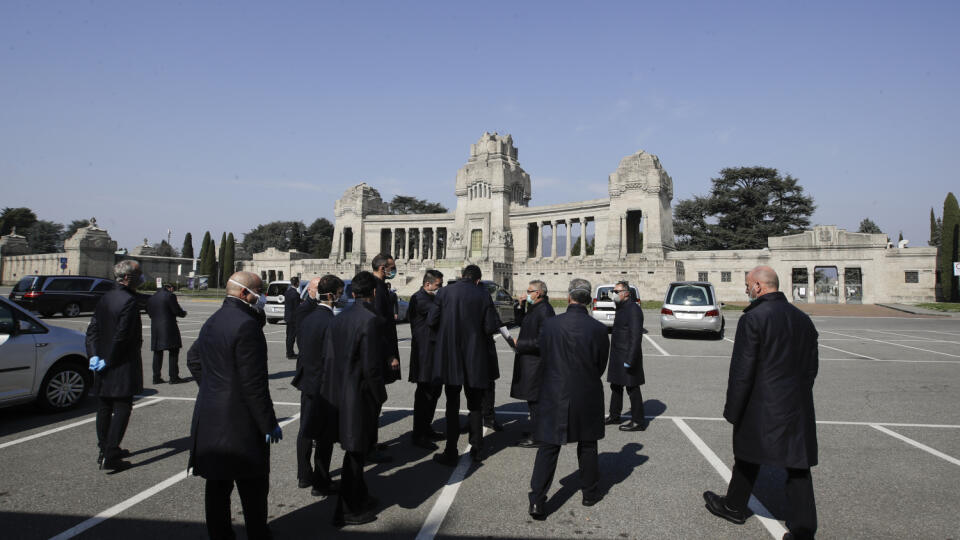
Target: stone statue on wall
455, 238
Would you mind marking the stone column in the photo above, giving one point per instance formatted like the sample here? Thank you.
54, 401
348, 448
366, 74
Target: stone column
553, 239
566, 238
623, 236
423, 244
539, 240
433, 237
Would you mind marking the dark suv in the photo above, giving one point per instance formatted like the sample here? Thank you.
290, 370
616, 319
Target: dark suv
70, 295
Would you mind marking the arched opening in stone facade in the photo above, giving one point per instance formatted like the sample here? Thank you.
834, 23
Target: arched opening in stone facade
826, 284
800, 285
533, 240
853, 285
634, 231
347, 240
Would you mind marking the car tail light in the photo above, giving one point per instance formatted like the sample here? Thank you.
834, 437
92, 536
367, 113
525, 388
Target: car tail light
594, 305
665, 311
32, 294
712, 313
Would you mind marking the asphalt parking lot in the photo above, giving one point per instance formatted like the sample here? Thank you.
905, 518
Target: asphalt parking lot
887, 400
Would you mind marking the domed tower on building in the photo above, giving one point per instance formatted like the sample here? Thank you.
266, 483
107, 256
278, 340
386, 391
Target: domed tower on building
488, 185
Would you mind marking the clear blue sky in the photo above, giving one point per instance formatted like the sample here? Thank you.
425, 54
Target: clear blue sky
220, 116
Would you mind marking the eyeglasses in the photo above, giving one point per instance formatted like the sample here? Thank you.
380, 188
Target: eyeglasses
619, 291
531, 292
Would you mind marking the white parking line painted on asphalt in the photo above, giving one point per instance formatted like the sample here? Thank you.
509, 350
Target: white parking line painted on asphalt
913, 338
896, 344
919, 445
135, 500
440, 508
654, 343
848, 352
728, 339
145, 403
773, 526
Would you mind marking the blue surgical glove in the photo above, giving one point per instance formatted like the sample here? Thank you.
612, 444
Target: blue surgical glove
93, 361
99, 365
626, 365
276, 436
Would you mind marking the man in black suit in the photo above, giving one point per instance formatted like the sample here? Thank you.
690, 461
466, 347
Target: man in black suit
770, 404
310, 335
626, 359
423, 343
351, 394
163, 309
464, 321
233, 418
114, 338
291, 299
306, 307
384, 304
573, 348
527, 364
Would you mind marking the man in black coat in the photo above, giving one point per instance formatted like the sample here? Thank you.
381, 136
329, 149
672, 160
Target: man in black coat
291, 299
233, 418
573, 348
351, 394
163, 309
423, 343
464, 321
487, 404
527, 365
308, 306
384, 304
114, 338
626, 359
310, 334
770, 403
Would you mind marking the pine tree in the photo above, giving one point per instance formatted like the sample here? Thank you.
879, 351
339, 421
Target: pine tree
187, 250
228, 259
949, 248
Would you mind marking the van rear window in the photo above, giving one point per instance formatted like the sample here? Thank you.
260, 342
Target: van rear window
24, 284
276, 289
690, 295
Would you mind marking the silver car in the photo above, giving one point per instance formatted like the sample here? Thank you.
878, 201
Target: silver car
693, 306
603, 309
41, 363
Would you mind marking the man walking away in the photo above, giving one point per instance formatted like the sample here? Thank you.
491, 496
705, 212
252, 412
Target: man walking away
770, 404
163, 309
351, 394
527, 365
233, 418
573, 348
626, 359
291, 299
422, 347
311, 332
114, 338
384, 305
464, 321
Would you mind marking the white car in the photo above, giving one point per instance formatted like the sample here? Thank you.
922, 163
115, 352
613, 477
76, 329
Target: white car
274, 307
691, 306
603, 308
41, 363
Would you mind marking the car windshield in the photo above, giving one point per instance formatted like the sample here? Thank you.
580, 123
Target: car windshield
690, 295
604, 293
24, 284
276, 289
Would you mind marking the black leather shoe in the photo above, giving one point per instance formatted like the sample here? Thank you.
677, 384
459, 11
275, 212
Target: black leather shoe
538, 511
611, 420
476, 455
158, 380
303, 484
633, 426
331, 489
443, 458
425, 443
465, 428
358, 518
717, 506
587, 501
434, 435
177, 380
527, 442
115, 465
378, 457
494, 425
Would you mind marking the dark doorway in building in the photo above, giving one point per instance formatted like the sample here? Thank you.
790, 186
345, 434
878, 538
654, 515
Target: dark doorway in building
853, 285
385, 236
826, 284
347, 240
800, 284
533, 239
634, 231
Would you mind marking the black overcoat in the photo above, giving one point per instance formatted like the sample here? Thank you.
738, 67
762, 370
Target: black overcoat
770, 390
423, 338
384, 305
352, 388
303, 311
310, 343
464, 321
233, 412
573, 349
291, 299
526, 363
493, 367
625, 344
163, 309
115, 334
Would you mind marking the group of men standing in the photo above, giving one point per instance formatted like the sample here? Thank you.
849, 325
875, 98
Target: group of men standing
345, 363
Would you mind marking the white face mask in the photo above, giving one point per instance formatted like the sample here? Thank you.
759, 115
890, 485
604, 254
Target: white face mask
261, 302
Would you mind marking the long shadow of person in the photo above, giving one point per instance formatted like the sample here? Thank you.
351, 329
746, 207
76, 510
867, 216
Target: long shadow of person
174, 447
653, 408
615, 467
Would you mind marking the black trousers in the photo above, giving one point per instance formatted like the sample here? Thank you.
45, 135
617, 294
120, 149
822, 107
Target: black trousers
291, 336
474, 403
353, 489
253, 498
174, 367
424, 407
113, 415
636, 402
489, 397
546, 465
802, 517
322, 450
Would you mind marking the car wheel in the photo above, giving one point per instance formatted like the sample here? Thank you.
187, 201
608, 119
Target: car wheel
71, 310
47, 314
64, 386
666, 332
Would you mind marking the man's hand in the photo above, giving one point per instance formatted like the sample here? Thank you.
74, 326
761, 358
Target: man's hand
276, 436
512, 343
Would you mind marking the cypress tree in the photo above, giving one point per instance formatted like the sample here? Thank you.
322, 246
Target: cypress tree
936, 228
949, 248
204, 264
228, 259
219, 268
187, 250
